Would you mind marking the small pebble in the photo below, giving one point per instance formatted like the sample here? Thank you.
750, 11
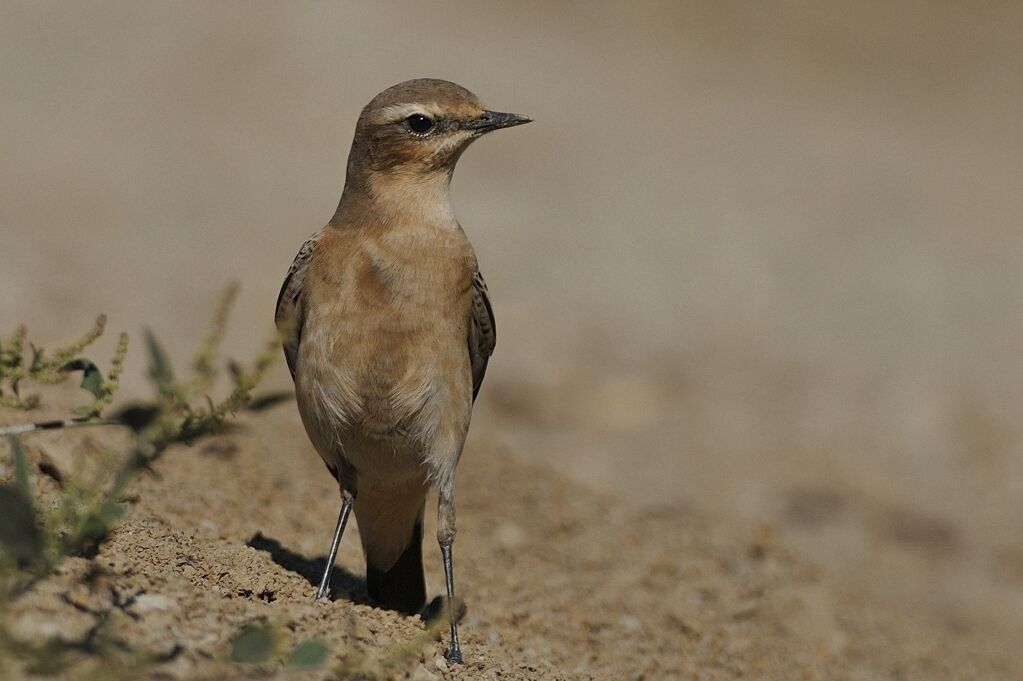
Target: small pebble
147, 603
630, 623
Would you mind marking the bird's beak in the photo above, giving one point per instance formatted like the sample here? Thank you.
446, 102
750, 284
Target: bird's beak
495, 120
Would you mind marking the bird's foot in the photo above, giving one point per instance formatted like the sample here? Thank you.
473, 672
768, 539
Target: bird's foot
453, 656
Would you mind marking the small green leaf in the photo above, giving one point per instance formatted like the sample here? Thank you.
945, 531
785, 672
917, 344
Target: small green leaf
92, 378
20, 465
159, 366
37, 356
19, 534
110, 512
307, 655
235, 369
98, 524
253, 645
93, 528
85, 412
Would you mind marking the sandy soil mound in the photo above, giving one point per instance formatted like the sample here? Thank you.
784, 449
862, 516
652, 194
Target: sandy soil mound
560, 582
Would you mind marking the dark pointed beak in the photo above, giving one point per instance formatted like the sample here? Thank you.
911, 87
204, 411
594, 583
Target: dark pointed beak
495, 120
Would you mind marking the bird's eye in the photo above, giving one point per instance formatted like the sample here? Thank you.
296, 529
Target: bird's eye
419, 123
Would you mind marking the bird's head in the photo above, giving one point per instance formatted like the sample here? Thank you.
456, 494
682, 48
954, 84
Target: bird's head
421, 127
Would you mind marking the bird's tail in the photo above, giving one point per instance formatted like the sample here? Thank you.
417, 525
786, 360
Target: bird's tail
391, 526
402, 586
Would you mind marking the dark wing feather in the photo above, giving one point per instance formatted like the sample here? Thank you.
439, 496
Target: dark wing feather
288, 317
482, 332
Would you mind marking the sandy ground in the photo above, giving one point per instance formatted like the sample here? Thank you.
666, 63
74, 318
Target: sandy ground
760, 261
561, 582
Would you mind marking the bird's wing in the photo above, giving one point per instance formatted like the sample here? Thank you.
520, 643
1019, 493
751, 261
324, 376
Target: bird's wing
288, 316
482, 332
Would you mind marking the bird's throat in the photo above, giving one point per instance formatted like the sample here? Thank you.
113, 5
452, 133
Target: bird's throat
398, 198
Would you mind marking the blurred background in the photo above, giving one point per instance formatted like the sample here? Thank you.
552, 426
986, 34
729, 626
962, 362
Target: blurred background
761, 259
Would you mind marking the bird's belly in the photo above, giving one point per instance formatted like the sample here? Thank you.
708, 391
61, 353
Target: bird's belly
380, 460
376, 402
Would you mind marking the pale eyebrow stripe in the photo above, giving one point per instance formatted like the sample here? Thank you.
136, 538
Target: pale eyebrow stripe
397, 112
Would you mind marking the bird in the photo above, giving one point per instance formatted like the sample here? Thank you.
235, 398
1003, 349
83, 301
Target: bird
387, 330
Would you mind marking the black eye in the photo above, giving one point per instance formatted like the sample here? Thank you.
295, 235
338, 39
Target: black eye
419, 123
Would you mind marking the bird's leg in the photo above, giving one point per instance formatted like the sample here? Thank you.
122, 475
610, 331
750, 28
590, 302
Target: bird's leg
446, 538
347, 499
454, 651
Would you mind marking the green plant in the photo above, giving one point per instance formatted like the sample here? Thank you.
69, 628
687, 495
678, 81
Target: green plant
308, 654
259, 645
88, 506
55, 367
181, 411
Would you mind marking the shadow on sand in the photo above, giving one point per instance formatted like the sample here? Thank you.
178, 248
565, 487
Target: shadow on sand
343, 584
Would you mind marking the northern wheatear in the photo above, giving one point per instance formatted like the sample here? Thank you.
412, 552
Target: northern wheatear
388, 330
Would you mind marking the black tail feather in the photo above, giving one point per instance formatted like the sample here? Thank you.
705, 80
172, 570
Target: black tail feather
403, 586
